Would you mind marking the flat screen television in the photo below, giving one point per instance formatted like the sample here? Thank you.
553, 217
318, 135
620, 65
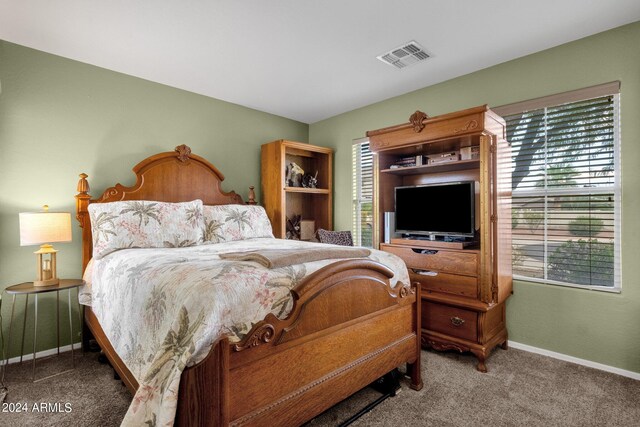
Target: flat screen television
443, 209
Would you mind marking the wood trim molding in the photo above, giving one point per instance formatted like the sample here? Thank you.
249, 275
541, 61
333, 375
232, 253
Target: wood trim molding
428, 120
604, 89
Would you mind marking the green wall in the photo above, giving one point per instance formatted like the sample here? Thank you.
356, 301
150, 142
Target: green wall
597, 326
60, 117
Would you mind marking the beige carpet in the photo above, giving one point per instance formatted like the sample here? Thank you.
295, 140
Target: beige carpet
520, 389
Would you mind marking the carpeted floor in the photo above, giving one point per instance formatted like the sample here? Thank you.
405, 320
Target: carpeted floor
520, 389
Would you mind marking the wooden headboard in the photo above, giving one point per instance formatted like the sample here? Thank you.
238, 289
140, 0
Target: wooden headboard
174, 176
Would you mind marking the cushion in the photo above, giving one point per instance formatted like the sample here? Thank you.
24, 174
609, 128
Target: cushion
228, 223
342, 238
145, 224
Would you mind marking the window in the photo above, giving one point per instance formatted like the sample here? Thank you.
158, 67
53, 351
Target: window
566, 192
362, 160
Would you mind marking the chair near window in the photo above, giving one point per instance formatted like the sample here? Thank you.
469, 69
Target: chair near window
342, 238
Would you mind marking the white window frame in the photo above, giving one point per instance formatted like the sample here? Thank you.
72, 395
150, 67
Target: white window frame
357, 190
609, 89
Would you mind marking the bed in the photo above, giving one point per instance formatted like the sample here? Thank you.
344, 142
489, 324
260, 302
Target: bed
347, 323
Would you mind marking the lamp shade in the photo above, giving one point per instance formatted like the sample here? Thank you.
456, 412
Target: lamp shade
44, 227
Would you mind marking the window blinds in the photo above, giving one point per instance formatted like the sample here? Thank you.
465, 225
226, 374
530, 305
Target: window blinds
566, 198
362, 219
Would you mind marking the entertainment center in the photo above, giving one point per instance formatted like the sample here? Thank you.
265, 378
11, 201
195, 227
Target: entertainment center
453, 211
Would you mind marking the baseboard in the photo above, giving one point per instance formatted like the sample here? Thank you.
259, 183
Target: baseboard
576, 360
44, 353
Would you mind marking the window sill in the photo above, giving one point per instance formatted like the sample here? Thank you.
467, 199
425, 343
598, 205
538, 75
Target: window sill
612, 290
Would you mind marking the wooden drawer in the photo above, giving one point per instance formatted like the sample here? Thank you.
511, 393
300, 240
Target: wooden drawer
448, 320
456, 262
465, 286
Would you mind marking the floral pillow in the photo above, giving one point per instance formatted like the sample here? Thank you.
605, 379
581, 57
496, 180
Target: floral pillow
145, 224
227, 223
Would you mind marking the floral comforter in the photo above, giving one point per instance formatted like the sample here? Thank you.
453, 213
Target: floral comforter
163, 308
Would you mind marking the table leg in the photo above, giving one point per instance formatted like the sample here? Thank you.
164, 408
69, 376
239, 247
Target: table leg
35, 334
13, 305
24, 326
58, 319
73, 361
80, 311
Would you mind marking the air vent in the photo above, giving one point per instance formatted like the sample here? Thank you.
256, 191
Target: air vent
408, 54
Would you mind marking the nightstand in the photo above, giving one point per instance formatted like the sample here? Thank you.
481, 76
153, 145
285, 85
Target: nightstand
27, 289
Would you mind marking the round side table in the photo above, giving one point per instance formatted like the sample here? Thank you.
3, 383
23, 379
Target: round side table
27, 289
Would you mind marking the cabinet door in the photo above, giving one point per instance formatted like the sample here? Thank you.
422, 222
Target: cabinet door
488, 286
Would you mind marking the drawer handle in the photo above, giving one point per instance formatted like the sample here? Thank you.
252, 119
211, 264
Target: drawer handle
424, 251
425, 272
457, 321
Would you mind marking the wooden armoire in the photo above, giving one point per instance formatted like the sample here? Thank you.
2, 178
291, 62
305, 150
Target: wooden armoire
464, 286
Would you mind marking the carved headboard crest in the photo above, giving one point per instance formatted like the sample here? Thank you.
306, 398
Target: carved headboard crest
183, 152
416, 120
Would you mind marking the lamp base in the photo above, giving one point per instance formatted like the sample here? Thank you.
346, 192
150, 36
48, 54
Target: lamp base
47, 274
48, 282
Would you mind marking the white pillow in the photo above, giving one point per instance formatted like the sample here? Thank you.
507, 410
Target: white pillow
145, 224
227, 223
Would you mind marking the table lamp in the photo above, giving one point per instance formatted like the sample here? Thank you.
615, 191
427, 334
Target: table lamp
44, 228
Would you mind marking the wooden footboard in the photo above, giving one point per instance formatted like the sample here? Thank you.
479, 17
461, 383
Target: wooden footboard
348, 327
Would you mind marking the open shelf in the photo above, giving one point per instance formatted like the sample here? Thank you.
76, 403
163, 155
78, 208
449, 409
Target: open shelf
445, 167
306, 190
282, 201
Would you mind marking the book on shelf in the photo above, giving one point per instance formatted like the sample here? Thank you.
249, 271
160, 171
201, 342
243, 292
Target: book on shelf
421, 160
397, 166
413, 161
404, 163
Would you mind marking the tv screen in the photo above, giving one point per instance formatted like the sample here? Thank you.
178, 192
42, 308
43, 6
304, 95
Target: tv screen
439, 209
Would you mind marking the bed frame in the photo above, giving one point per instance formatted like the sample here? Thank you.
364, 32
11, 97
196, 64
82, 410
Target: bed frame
347, 328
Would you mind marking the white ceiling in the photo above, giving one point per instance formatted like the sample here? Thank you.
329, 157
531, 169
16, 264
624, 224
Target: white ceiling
302, 59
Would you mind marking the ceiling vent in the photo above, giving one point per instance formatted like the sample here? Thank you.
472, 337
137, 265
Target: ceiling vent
401, 57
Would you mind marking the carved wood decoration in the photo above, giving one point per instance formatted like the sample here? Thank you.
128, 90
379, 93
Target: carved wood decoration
417, 120
348, 325
261, 333
442, 346
470, 125
183, 152
252, 196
